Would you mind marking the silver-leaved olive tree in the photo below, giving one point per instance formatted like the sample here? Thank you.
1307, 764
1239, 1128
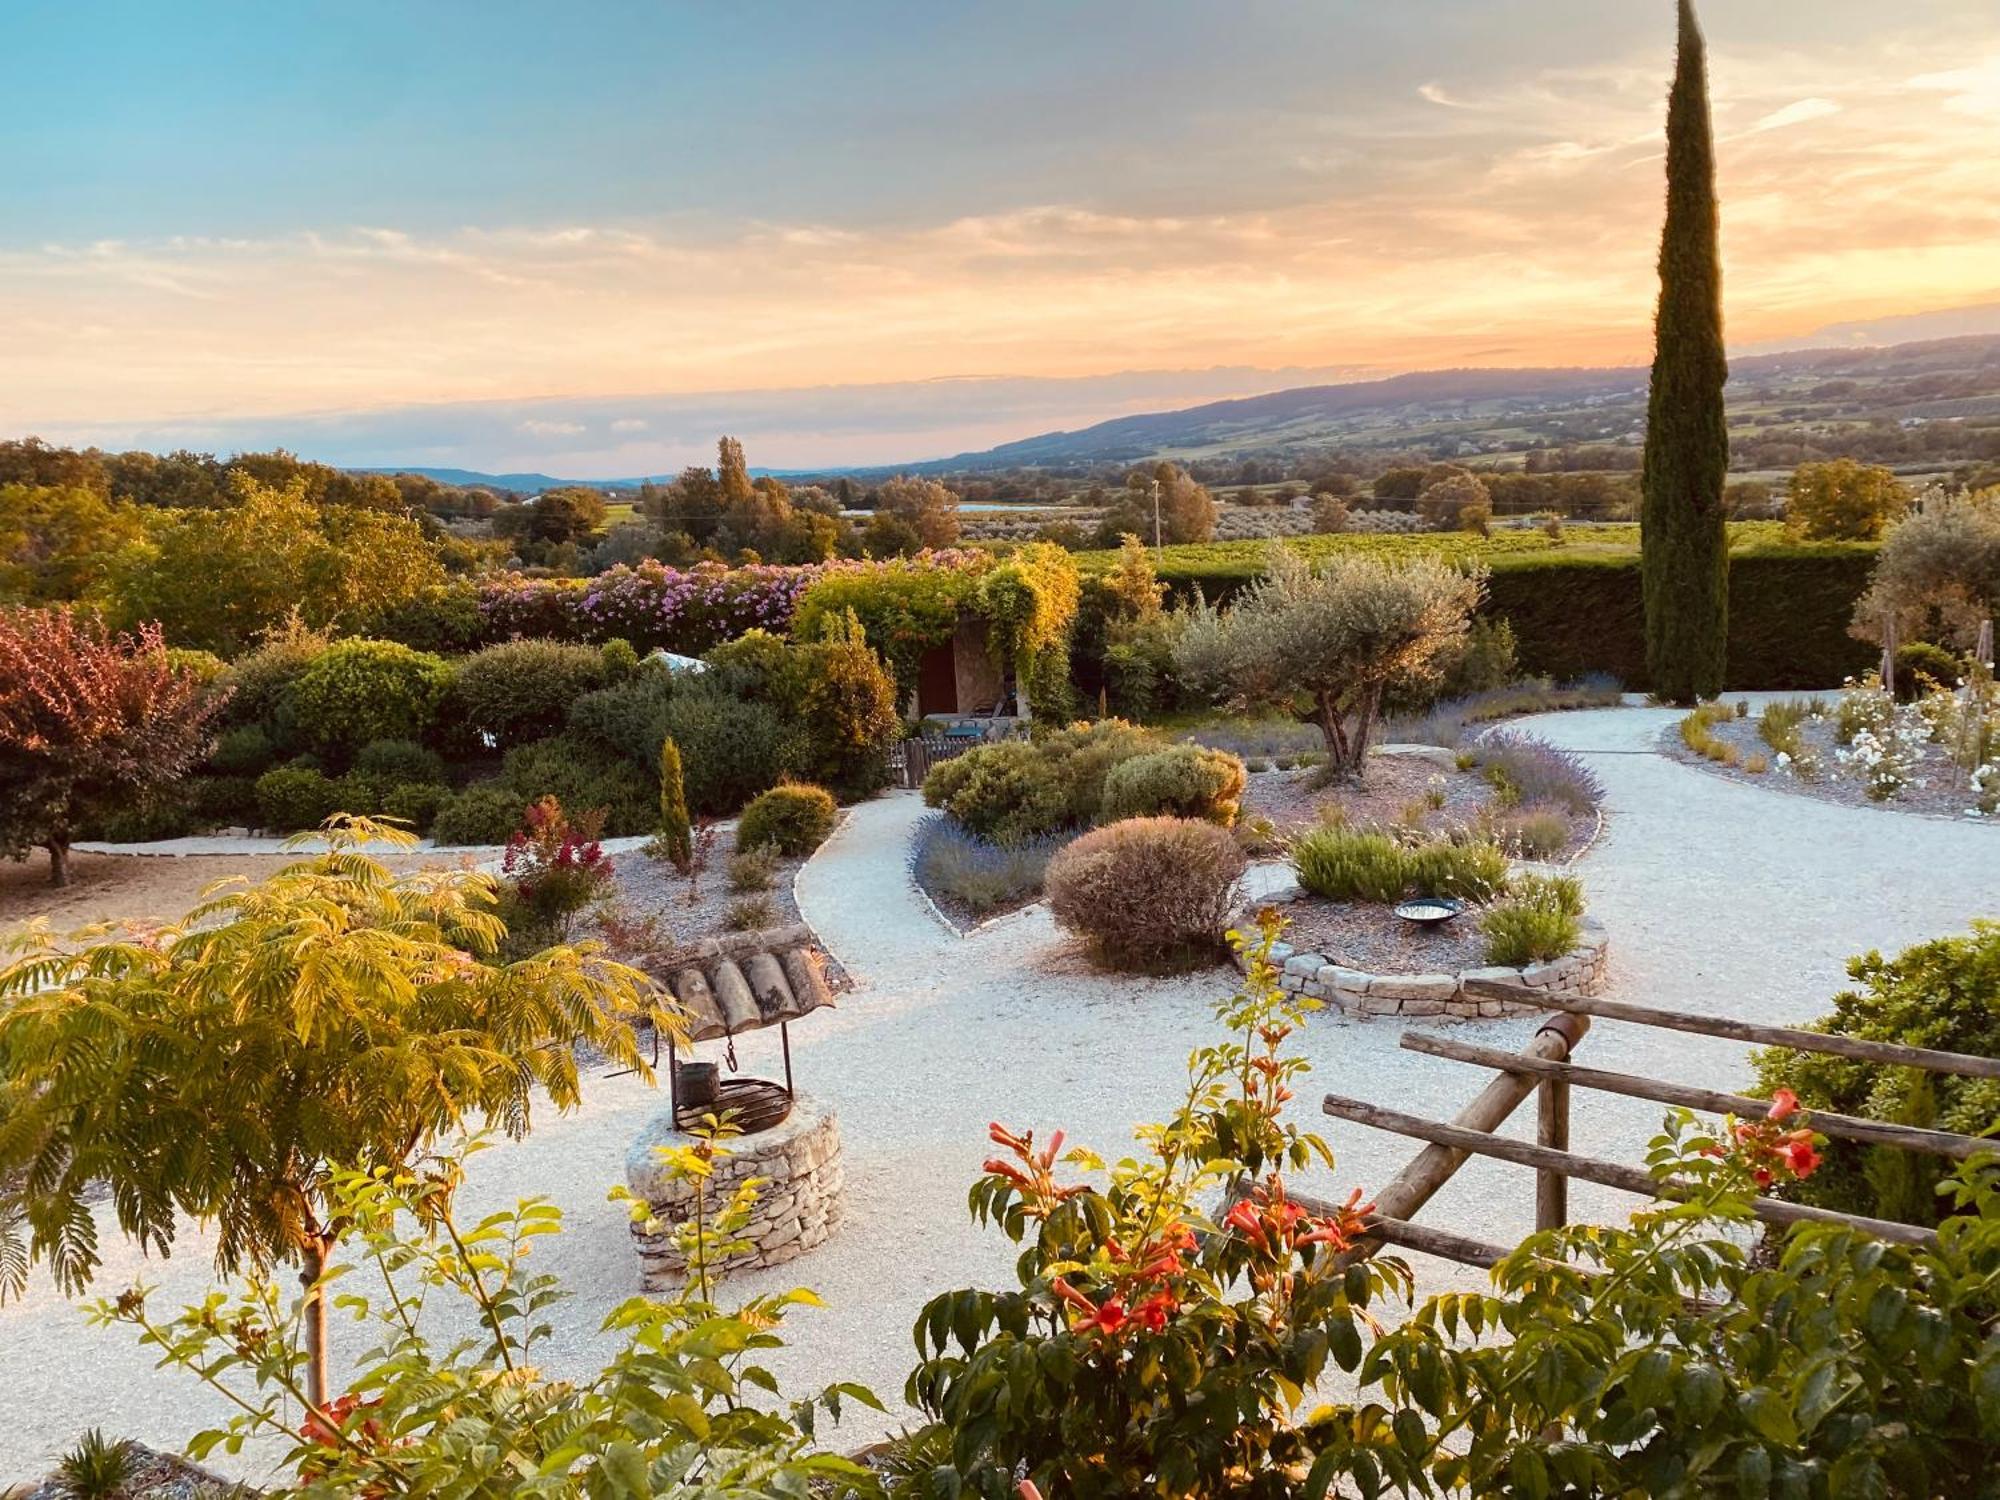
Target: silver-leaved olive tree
1329, 641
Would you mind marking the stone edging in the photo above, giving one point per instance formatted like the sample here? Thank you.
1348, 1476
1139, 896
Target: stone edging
1355, 992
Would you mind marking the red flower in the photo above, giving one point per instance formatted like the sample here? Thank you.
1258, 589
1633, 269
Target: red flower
1800, 1155
1784, 1104
1152, 1314
1108, 1318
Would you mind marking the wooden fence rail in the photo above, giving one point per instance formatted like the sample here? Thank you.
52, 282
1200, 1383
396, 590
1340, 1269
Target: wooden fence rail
1545, 1068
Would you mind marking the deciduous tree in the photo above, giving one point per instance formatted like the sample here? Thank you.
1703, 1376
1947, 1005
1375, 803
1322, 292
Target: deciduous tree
333, 1016
88, 718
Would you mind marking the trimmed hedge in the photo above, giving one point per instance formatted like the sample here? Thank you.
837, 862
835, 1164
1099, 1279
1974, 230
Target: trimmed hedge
1576, 613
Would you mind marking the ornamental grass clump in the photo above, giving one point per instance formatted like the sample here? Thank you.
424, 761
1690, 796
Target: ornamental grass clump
1697, 732
1539, 919
1148, 893
1341, 863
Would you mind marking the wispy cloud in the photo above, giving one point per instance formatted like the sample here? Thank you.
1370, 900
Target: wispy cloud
1495, 216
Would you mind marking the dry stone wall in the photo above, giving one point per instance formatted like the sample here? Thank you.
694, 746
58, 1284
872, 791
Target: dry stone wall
798, 1207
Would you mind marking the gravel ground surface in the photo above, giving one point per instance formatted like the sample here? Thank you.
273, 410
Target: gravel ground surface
1937, 788
1719, 897
1374, 939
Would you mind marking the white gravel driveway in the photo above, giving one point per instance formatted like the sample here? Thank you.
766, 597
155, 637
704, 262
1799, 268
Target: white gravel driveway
1718, 896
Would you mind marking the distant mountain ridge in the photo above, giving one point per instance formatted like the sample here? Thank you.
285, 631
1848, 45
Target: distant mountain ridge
1472, 410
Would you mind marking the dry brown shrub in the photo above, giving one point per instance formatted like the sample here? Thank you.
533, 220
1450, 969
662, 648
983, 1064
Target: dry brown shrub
1148, 893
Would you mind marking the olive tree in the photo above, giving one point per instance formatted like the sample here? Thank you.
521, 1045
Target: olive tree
1939, 569
1328, 642
334, 1016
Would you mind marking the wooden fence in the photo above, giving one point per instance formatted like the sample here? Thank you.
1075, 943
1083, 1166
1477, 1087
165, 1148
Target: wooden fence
1545, 1068
911, 760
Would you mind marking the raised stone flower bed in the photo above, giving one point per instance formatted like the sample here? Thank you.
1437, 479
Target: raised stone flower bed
1359, 993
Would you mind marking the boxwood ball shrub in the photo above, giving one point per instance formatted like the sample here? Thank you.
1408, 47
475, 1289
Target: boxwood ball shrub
1005, 793
792, 818
1186, 781
1026, 789
290, 798
1147, 893
400, 760
415, 803
1920, 660
245, 750
523, 690
484, 813
361, 690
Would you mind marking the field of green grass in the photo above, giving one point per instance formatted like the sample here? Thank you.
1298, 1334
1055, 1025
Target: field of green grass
1246, 559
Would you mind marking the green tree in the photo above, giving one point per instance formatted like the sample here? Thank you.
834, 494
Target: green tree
1844, 500
336, 1015
676, 832
924, 505
1330, 643
56, 544
88, 720
1684, 553
217, 578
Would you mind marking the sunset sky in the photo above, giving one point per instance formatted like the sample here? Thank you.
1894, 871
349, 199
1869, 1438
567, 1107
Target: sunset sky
584, 238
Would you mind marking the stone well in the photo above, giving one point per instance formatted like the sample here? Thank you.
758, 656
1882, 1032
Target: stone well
798, 1207
1578, 972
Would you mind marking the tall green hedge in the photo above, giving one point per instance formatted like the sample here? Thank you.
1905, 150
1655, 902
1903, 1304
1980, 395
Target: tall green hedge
1789, 608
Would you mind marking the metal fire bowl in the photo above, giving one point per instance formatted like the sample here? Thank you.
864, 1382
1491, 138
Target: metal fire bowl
1429, 911
750, 1104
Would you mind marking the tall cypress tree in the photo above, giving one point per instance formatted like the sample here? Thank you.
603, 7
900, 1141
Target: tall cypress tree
1685, 546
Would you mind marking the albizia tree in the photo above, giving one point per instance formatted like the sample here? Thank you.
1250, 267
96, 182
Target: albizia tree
88, 718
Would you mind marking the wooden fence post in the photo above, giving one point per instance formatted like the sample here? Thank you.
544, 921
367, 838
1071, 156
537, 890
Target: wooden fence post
1552, 1130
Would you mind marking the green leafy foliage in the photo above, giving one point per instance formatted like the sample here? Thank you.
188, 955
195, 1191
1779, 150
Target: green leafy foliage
1944, 994
522, 691
1148, 893
683, 1406
1182, 781
291, 798
1338, 862
360, 690
1147, 1348
1922, 667
791, 818
581, 776
400, 760
1020, 790
1536, 921
1843, 499
376, 1024
484, 813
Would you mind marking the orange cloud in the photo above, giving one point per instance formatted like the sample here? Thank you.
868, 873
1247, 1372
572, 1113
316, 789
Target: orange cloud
1510, 224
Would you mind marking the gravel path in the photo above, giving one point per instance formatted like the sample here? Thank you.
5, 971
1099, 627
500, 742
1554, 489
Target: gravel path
1719, 897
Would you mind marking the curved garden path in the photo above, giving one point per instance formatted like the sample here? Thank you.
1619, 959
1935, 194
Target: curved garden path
1719, 897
